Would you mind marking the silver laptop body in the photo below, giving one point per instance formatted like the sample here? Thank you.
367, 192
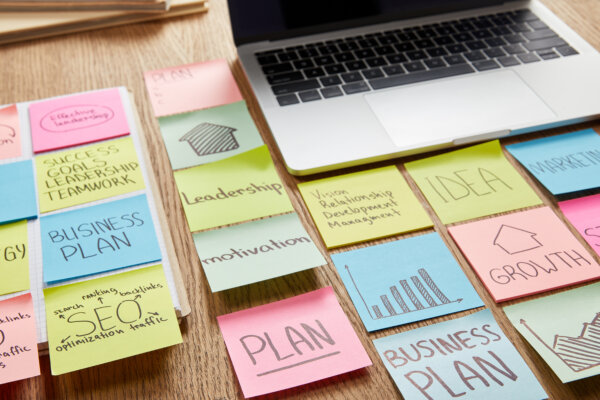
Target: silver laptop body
384, 122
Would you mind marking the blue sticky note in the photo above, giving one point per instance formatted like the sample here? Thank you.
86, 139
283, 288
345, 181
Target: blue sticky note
405, 281
18, 200
563, 163
99, 238
467, 358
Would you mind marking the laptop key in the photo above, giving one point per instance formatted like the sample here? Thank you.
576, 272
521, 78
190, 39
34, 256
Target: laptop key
331, 92
443, 40
436, 52
327, 50
287, 100
476, 45
306, 63
289, 56
463, 37
500, 31
356, 87
352, 77
396, 58
424, 43
364, 53
376, 62
486, 65
307, 53
421, 76
482, 34
544, 43
384, 50
445, 30
454, 59
475, 56
404, 47
335, 69
310, 95
343, 57
514, 39
348, 46
355, 65
416, 55
285, 77
519, 28
277, 68
267, 59
508, 61
514, 49
547, 54
314, 72
435, 63
393, 70
324, 60
566, 51
414, 66
330, 80
539, 34
527, 58
537, 24
372, 73
495, 52
295, 87
495, 42
456, 48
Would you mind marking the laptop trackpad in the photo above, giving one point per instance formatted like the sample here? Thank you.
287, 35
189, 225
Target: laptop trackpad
443, 111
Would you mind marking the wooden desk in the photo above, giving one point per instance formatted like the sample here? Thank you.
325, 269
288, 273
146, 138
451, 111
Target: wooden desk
200, 367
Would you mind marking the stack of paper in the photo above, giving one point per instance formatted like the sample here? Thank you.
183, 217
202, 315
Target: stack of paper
88, 5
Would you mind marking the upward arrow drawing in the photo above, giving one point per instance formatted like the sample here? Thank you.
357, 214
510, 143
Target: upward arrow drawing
516, 240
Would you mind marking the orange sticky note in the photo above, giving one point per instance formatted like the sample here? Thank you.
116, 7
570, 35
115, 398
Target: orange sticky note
10, 135
524, 253
191, 87
18, 340
291, 342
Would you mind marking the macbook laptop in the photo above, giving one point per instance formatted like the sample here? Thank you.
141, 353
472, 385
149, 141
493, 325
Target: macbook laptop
346, 82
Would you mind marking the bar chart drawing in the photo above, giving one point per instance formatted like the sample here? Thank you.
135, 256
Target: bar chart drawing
405, 296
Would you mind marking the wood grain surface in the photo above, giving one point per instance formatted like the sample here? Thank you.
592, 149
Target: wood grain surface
200, 367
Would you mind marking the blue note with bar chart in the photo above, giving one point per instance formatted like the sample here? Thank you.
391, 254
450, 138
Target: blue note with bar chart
405, 281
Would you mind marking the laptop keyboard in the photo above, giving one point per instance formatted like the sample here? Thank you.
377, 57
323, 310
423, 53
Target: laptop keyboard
381, 60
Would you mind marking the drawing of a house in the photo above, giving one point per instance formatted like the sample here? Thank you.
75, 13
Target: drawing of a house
207, 138
515, 240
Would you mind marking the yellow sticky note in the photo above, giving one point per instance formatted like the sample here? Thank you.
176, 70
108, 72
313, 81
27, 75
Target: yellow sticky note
362, 206
14, 257
71, 177
471, 182
236, 189
106, 319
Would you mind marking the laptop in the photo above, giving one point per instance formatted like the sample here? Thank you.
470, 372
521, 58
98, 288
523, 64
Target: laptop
344, 82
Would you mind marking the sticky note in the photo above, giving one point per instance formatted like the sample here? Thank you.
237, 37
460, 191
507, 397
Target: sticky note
204, 136
563, 163
236, 189
362, 206
405, 281
191, 87
18, 340
87, 174
18, 192
14, 257
467, 358
10, 133
77, 119
98, 238
107, 319
256, 251
471, 182
524, 253
291, 342
584, 214
566, 338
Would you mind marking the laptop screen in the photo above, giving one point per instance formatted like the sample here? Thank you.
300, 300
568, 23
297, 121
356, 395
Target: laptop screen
257, 20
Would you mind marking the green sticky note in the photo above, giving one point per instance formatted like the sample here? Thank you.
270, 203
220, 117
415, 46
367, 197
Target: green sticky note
255, 251
209, 135
236, 189
363, 206
564, 329
471, 183
14, 257
106, 319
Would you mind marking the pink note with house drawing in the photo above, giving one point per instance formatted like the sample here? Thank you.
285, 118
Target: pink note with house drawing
524, 253
77, 119
291, 342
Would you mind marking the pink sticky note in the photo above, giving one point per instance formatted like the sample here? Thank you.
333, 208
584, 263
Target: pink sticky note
584, 214
191, 87
10, 134
18, 340
524, 253
77, 119
291, 342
